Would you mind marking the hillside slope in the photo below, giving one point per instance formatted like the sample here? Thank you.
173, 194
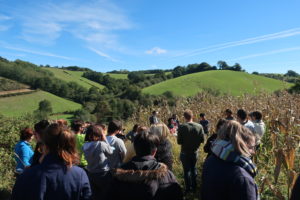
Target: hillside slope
224, 81
18, 105
67, 75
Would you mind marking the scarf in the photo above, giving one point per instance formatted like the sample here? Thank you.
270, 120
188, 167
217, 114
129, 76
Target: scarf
225, 151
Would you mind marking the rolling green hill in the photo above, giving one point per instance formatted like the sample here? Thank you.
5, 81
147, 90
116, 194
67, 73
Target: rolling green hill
75, 76
27, 103
225, 81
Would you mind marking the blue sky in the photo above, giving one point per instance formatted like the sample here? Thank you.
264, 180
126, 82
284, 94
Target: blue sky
106, 35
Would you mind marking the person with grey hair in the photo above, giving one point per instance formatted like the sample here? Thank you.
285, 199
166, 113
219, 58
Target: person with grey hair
164, 149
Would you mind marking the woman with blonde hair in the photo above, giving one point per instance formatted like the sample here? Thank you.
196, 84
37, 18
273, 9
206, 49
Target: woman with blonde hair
229, 173
56, 177
164, 149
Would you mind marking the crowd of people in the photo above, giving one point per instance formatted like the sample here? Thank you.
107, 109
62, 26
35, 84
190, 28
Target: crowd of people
91, 161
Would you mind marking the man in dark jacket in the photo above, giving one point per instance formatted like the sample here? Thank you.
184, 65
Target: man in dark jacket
190, 136
143, 177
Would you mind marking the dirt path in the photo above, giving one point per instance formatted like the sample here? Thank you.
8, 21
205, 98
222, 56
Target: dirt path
15, 91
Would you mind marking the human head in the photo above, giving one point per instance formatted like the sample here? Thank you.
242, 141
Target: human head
26, 134
94, 133
62, 122
39, 129
220, 123
161, 130
256, 115
135, 128
145, 144
77, 126
241, 115
114, 127
142, 129
188, 115
174, 116
202, 115
228, 113
59, 140
241, 137
103, 127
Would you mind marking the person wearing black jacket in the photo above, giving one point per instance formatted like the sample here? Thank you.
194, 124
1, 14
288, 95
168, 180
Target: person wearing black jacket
296, 190
212, 138
143, 177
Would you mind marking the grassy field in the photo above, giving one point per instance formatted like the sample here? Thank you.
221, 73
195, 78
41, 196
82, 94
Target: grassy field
75, 76
231, 82
15, 106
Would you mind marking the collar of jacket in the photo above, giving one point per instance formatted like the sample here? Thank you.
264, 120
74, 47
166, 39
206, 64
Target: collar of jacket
130, 175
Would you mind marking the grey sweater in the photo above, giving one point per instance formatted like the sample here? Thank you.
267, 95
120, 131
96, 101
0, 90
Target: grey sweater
96, 154
119, 151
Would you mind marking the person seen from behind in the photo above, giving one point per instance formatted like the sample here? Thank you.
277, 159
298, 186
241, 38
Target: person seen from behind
77, 127
96, 150
164, 149
229, 172
229, 115
23, 150
153, 119
259, 125
130, 136
117, 144
143, 177
56, 177
242, 117
39, 129
213, 137
204, 122
190, 136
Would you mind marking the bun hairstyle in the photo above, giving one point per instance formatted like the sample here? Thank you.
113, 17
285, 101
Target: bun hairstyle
240, 136
161, 130
60, 141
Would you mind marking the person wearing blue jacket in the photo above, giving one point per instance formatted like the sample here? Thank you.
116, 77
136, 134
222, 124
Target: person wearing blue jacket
228, 173
23, 150
56, 177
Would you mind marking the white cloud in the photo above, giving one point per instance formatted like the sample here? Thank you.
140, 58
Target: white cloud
92, 21
100, 53
253, 40
4, 17
156, 51
266, 53
37, 52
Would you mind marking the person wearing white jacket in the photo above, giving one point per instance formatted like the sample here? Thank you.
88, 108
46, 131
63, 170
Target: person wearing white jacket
259, 125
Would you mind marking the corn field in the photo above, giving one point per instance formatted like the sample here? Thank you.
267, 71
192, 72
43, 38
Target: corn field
277, 159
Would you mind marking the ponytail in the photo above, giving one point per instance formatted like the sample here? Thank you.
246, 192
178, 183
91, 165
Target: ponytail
61, 141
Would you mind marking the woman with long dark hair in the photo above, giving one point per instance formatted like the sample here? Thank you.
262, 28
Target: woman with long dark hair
56, 177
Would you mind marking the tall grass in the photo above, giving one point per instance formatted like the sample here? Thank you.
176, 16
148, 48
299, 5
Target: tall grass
278, 157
